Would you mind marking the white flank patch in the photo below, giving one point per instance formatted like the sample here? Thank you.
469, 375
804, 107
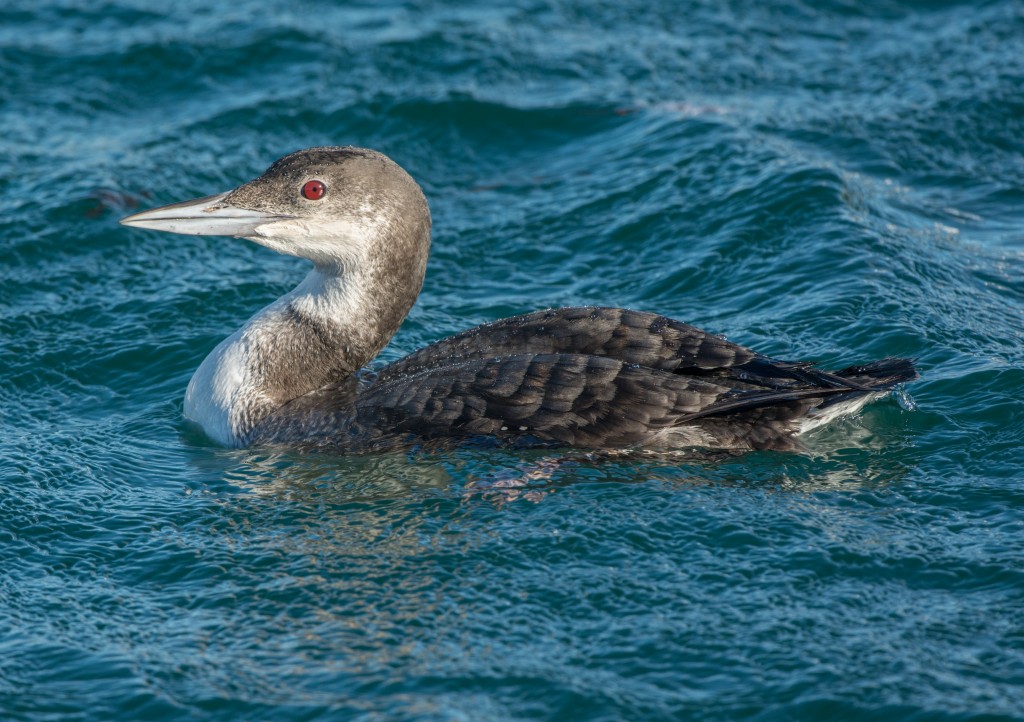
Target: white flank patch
676, 437
816, 419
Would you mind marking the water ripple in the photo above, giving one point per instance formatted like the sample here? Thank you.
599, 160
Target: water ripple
838, 182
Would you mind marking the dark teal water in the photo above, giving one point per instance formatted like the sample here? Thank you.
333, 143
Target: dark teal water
838, 181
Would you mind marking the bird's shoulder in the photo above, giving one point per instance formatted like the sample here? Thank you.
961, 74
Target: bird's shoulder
637, 337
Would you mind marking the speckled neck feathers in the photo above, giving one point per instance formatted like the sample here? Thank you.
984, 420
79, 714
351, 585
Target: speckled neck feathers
368, 238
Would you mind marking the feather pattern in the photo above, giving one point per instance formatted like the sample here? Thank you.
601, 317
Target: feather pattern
588, 377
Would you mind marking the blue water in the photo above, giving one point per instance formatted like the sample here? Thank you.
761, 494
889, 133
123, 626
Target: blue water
837, 181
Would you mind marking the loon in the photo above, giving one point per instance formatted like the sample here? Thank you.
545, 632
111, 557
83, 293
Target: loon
589, 377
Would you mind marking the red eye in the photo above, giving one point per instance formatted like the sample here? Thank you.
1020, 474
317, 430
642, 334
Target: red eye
314, 190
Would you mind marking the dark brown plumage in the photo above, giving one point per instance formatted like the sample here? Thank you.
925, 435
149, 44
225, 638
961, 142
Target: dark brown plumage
588, 377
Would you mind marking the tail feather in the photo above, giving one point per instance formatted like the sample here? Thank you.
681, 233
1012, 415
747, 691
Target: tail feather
877, 378
881, 375
774, 374
830, 394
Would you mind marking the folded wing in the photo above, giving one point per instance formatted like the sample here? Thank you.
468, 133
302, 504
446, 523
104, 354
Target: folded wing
586, 377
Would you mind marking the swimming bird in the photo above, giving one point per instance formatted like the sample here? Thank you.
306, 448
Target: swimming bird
592, 377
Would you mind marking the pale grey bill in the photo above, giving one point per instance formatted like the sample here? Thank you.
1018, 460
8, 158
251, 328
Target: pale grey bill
209, 216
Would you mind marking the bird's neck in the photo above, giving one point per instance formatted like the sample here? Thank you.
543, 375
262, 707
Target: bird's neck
327, 328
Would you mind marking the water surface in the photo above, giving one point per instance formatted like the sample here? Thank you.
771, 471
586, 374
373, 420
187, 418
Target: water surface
835, 181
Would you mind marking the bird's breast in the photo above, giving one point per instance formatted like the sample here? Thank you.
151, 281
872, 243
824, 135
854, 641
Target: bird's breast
214, 395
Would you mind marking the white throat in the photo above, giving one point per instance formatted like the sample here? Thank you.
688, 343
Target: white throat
230, 392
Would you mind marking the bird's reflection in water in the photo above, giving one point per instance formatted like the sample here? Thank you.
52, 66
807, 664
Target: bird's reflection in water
341, 479
852, 453
533, 479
